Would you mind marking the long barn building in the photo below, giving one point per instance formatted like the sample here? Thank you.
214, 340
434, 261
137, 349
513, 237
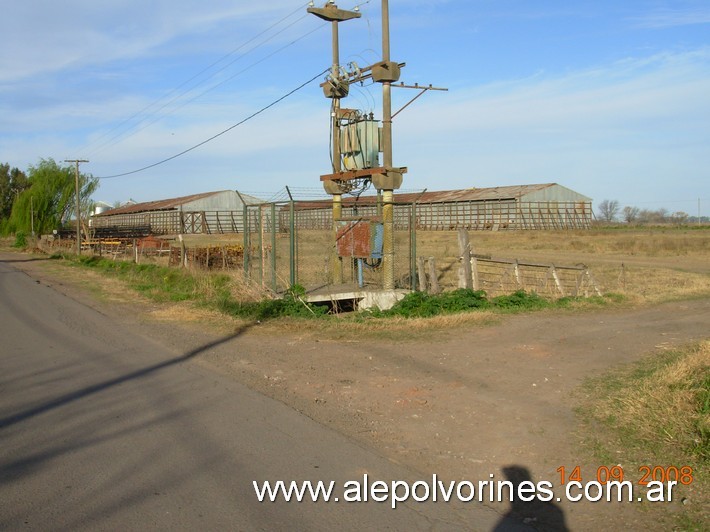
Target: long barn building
544, 206
209, 212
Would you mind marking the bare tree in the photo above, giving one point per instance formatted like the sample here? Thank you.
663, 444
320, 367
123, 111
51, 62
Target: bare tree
680, 217
630, 214
608, 210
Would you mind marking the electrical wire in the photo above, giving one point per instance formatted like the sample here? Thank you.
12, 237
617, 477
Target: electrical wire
108, 142
183, 104
221, 132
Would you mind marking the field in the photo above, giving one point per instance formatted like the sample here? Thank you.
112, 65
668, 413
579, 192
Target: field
652, 265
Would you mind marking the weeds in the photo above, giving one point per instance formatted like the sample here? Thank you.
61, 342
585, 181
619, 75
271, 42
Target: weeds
422, 305
20, 240
654, 412
223, 293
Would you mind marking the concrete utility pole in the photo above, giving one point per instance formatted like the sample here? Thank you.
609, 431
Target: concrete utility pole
78, 203
335, 88
386, 178
387, 193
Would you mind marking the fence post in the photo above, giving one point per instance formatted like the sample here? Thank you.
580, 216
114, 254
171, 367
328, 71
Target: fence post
465, 266
260, 238
421, 272
433, 276
474, 273
183, 252
516, 272
292, 239
273, 247
558, 283
413, 246
245, 223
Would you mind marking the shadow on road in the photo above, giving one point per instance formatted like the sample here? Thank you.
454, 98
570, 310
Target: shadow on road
537, 514
95, 388
28, 259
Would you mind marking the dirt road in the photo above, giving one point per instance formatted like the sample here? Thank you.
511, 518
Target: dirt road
466, 404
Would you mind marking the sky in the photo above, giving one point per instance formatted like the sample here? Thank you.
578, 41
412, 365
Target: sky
608, 98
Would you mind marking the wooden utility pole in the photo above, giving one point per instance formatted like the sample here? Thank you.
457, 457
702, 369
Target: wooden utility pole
78, 203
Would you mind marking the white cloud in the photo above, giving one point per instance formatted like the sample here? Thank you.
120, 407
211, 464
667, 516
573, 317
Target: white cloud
43, 36
669, 18
637, 126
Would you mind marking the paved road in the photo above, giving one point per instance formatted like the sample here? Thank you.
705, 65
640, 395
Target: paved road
104, 429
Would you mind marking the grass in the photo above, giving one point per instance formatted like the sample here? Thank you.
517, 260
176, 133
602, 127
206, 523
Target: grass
655, 413
229, 295
659, 264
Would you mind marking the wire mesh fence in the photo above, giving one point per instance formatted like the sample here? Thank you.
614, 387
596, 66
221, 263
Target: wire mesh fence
289, 243
283, 243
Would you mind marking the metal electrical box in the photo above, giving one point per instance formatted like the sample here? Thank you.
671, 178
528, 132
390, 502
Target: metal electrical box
359, 239
360, 144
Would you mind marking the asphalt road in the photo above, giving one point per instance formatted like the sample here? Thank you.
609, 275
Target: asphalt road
103, 428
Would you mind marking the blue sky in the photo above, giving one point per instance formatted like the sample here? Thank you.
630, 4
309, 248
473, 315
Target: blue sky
609, 98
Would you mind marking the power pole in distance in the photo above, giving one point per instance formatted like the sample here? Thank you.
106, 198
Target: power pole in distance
78, 204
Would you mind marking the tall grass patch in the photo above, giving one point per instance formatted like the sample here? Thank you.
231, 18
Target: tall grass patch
655, 413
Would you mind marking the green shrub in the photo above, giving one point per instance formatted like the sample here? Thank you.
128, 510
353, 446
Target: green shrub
421, 305
520, 300
20, 240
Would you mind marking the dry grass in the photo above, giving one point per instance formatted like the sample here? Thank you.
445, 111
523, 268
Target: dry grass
649, 265
660, 401
659, 264
656, 413
349, 326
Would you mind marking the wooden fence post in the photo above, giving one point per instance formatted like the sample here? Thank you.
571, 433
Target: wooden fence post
474, 273
516, 272
558, 283
433, 277
465, 280
421, 274
183, 252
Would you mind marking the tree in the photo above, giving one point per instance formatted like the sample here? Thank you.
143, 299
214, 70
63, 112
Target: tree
680, 217
12, 182
630, 214
608, 210
50, 197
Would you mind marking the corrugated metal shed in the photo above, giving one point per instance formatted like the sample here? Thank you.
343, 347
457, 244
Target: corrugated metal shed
222, 200
540, 206
208, 212
522, 193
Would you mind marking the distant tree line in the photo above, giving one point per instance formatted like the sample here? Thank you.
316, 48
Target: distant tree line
43, 198
610, 211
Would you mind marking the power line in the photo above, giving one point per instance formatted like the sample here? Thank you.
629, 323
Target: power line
183, 104
183, 93
221, 132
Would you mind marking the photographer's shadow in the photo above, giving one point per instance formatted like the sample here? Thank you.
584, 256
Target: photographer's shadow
536, 514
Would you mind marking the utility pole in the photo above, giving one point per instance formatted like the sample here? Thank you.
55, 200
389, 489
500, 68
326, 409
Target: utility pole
78, 203
386, 178
335, 88
388, 190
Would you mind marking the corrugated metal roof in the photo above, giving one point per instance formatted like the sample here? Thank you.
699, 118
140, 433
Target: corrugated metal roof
445, 196
159, 205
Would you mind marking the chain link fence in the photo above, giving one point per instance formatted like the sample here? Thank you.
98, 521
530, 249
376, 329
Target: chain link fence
292, 243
